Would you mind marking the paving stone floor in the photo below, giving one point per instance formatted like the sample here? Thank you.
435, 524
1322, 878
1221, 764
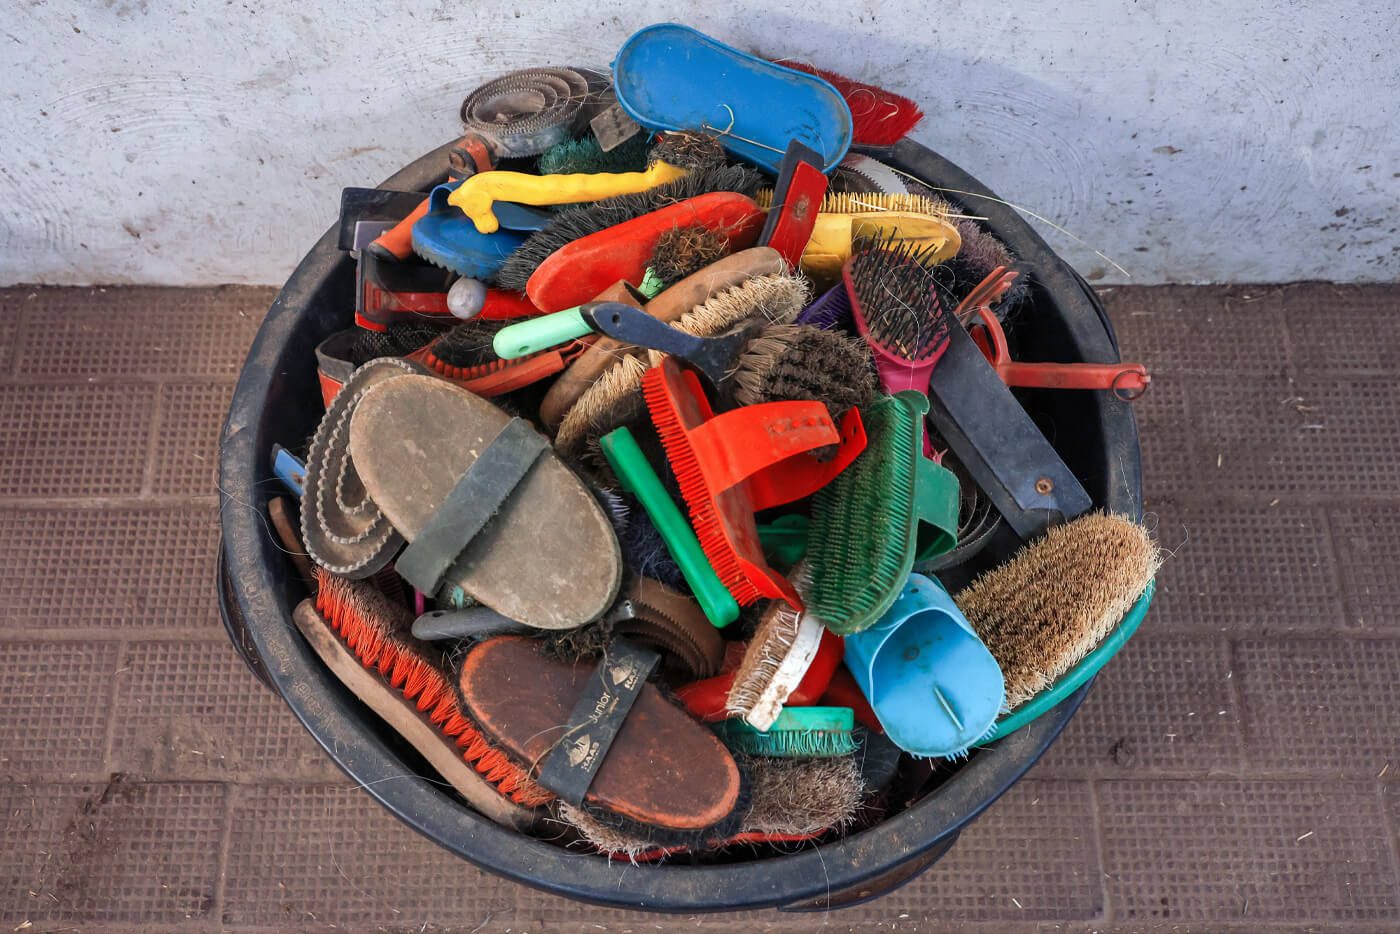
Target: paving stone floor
1237, 768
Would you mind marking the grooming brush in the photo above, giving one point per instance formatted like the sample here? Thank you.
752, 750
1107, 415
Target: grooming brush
793, 211
579, 270
861, 543
464, 356
282, 511
778, 656
830, 312
794, 361
800, 684
387, 290
920, 224
632, 468
798, 732
673, 157
375, 632
684, 251
898, 312
445, 238
731, 465
980, 254
576, 223
616, 399
654, 769
602, 355
586, 156
794, 800
397, 340
524, 112
1056, 599
878, 117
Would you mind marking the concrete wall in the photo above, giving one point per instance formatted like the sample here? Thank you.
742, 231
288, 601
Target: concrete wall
1198, 140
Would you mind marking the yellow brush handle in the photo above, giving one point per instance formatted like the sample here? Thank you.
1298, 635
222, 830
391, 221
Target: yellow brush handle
833, 235
476, 195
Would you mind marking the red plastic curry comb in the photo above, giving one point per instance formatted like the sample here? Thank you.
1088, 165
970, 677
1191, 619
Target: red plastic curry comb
732, 465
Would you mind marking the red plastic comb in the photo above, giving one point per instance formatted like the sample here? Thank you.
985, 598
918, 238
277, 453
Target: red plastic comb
732, 465
502, 376
878, 117
578, 271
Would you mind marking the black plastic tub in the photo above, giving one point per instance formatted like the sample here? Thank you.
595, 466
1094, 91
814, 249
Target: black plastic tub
277, 401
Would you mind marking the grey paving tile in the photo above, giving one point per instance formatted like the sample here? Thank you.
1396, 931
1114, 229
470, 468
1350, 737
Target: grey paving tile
130, 569
187, 437
56, 699
192, 710
74, 441
1324, 705
144, 332
120, 853
1368, 546
1164, 704
1183, 851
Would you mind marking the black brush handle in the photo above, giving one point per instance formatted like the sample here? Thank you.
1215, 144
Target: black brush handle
998, 444
712, 356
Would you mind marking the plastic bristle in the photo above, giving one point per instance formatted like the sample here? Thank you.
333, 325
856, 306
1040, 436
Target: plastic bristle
831, 311
704, 517
787, 743
859, 545
362, 619
896, 302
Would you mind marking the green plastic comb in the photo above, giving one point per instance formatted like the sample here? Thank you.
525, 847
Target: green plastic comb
862, 538
799, 732
631, 467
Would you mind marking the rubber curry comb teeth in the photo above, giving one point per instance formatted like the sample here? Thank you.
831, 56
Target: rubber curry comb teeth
732, 465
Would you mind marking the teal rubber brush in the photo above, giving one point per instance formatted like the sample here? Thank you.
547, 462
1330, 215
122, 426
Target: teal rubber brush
799, 732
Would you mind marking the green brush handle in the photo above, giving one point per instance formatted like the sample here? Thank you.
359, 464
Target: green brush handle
536, 334
640, 480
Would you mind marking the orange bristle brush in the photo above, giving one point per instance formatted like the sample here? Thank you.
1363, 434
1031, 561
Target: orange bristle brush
878, 117
375, 631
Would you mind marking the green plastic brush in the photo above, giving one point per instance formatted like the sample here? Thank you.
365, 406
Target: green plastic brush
799, 732
862, 538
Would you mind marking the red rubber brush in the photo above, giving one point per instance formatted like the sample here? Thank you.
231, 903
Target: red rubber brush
732, 465
878, 117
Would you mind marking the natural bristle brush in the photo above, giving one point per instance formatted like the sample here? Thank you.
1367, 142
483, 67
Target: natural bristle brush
898, 311
1057, 598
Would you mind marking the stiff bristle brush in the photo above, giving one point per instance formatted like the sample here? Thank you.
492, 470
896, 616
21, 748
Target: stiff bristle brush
878, 117
796, 361
797, 733
586, 156
616, 398
1055, 600
793, 800
376, 632
897, 309
578, 222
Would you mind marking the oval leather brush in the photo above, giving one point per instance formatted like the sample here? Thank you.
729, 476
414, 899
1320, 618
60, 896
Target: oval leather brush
898, 311
375, 631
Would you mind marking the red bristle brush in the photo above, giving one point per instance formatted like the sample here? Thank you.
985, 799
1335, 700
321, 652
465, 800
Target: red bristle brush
878, 117
362, 618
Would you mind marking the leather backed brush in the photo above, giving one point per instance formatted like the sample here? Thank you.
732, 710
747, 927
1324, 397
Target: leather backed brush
411, 689
1056, 599
575, 223
664, 775
794, 800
